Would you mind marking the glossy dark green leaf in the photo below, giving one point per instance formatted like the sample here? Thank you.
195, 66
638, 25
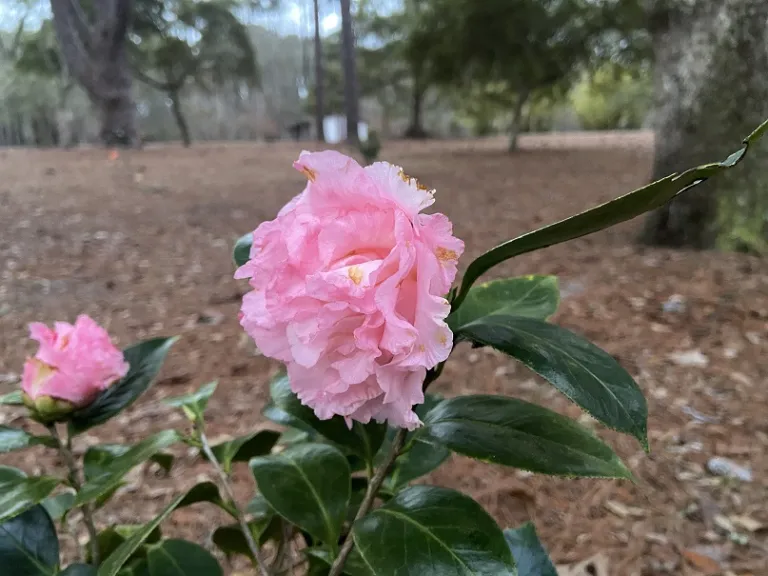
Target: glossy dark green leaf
111, 538
354, 566
145, 359
193, 404
362, 440
137, 567
244, 448
420, 458
79, 570
619, 210
181, 558
113, 473
12, 399
514, 433
242, 250
308, 485
529, 553
280, 416
28, 544
259, 508
587, 375
10, 474
99, 459
529, 296
17, 439
429, 531
203, 492
230, 540
59, 505
20, 494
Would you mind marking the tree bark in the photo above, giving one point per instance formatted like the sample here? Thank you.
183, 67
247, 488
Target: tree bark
514, 126
711, 92
95, 54
350, 73
181, 121
319, 78
415, 128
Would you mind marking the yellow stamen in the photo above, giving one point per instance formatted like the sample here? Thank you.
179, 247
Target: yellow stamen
355, 274
445, 255
309, 173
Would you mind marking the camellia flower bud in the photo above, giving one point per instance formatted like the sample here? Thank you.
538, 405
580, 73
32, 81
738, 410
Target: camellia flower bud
74, 364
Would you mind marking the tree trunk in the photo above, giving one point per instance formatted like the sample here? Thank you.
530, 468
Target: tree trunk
350, 73
95, 54
711, 92
514, 126
415, 129
319, 78
181, 122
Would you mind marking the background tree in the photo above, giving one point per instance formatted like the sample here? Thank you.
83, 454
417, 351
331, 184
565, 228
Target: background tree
92, 41
515, 47
202, 41
710, 60
349, 64
319, 76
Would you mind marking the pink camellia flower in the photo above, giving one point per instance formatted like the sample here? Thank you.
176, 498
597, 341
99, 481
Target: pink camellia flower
348, 289
73, 365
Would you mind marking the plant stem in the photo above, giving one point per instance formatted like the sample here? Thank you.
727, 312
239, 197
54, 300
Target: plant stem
74, 479
224, 480
370, 495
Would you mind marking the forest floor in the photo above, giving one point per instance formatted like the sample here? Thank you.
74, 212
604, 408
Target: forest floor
142, 243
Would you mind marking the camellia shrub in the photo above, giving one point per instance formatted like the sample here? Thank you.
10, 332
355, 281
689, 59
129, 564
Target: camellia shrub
352, 288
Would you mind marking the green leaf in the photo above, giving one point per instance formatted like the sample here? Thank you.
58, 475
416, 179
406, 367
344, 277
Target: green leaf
113, 537
421, 457
79, 570
583, 372
354, 566
511, 432
10, 474
194, 404
432, 531
230, 540
145, 359
619, 210
57, 506
244, 448
113, 473
17, 439
529, 553
362, 441
29, 545
100, 458
18, 495
181, 558
242, 251
203, 492
308, 485
11, 399
529, 296
137, 567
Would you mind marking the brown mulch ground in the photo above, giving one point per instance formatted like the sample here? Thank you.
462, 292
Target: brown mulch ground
142, 243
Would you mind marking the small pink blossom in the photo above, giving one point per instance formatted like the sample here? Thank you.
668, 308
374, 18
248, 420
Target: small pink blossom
73, 365
348, 289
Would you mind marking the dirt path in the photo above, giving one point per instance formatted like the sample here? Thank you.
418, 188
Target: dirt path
142, 243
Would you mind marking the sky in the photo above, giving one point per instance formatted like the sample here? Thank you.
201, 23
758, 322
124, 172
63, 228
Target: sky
293, 17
